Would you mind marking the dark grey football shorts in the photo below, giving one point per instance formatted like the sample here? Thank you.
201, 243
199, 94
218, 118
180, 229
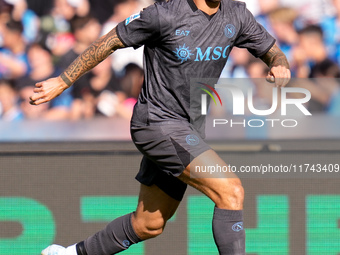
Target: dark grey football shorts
168, 148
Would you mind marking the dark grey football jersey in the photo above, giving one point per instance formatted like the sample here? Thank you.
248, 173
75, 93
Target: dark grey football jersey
183, 43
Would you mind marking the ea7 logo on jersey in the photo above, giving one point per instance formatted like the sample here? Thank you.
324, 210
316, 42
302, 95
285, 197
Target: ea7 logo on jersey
182, 32
132, 18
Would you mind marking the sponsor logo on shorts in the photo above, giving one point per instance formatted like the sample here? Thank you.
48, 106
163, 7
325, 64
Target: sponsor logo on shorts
237, 227
229, 31
126, 243
192, 140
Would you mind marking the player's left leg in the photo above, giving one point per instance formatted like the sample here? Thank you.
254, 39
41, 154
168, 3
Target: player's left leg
154, 209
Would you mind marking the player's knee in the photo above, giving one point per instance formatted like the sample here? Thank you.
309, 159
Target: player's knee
231, 198
238, 193
150, 228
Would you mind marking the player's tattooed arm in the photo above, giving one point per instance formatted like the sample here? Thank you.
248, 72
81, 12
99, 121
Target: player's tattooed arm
45, 91
278, 65
275, 57
92, 56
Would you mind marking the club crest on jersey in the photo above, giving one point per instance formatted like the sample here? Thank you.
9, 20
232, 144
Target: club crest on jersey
132, 18
183, 53
229, 31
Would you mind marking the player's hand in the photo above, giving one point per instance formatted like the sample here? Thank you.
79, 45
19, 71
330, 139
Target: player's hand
280, 75
45, 91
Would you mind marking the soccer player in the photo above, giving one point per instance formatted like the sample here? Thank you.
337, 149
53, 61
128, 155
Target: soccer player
183, 39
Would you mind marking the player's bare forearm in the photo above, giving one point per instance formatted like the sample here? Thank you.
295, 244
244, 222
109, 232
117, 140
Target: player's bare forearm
278, 65
45, 91
92, 56
275, 57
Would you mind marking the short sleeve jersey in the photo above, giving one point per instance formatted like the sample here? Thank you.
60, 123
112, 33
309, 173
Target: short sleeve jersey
182, 43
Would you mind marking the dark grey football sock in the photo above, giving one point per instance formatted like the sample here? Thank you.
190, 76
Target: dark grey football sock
117, 236
228, 232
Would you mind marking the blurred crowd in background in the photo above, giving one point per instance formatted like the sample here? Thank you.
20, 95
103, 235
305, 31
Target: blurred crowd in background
39, 39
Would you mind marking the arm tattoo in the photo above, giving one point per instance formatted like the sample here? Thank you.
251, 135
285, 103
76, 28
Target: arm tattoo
275, 57
92, 56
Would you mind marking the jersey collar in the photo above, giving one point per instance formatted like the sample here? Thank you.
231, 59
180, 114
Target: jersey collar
194, 7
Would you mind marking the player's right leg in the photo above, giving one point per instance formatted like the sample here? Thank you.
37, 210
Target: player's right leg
226, 191
154, 209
